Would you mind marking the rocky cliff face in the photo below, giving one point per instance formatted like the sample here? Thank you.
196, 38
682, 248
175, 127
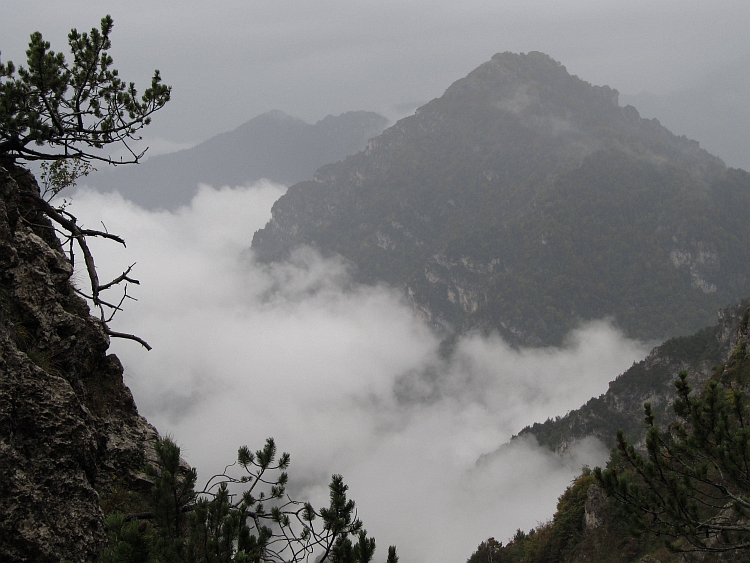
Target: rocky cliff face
525, 200
71, 439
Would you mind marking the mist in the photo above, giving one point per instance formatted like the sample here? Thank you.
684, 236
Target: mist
342, 375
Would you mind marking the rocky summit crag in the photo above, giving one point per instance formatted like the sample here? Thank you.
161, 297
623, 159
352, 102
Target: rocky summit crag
71, 440
525, 200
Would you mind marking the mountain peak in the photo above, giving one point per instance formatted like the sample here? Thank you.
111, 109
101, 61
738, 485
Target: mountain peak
278, 115
526, 200
538, 75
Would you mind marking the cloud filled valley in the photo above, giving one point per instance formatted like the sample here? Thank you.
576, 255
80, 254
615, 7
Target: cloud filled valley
343, 376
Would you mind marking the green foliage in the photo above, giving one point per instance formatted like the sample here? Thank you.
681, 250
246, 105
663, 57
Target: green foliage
130, 541
551, 541
214, 526
344, 551
173, 490
488, 552
72, 109
64, 114
736, 370
60, 174
693, 486
567, 523
173, 486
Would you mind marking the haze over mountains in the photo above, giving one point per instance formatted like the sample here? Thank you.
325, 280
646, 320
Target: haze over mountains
525, 200
274, 146
714, 110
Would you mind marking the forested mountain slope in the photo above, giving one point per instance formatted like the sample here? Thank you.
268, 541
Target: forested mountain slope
273, 145
526, 200
650, 380
593, 527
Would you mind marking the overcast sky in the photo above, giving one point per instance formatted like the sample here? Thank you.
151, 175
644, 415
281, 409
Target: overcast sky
229, 61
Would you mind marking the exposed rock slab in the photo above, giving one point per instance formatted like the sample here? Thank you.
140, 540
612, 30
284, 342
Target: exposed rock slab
70, 433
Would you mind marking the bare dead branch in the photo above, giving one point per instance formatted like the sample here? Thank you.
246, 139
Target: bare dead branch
69, 223
122, 277
139, 340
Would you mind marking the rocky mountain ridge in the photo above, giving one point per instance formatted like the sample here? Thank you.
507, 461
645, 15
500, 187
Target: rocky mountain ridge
650, 380
525, 200
71, 439
591, 526
713, 109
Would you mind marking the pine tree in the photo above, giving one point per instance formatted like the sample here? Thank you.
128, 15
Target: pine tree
172, 493
259, 525
53, 109
130, 541
693, 486
65, 114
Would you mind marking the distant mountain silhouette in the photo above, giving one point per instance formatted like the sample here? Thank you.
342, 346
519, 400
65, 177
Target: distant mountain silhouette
525, 200
273, 146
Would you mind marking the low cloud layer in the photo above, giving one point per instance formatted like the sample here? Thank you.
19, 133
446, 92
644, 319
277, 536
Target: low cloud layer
342, 376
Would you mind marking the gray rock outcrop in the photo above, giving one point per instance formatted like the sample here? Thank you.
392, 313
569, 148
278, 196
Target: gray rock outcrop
71, 439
